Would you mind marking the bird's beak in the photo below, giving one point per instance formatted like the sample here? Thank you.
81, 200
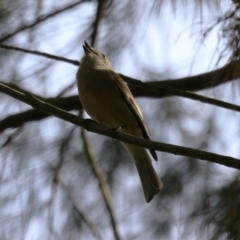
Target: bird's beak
87, 49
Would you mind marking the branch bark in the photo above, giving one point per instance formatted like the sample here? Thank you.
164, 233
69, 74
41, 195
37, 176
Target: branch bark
104, 188
95, 25
229, 72
17, 120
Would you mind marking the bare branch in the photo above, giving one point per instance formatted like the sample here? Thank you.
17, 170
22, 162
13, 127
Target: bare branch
84, 217
229, 72
57, 180
17, 120
157, 89
11, 137
97, 128
106, 193
50, 56
41, 19
99, 14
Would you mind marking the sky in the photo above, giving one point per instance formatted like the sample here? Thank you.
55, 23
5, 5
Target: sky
175, 49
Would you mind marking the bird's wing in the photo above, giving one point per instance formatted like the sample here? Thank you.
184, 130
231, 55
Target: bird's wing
129, 99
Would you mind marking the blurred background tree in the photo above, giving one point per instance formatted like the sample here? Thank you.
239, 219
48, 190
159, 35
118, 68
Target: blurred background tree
53, 175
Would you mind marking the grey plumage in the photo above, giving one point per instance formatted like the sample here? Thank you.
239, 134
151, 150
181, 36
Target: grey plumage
109, 101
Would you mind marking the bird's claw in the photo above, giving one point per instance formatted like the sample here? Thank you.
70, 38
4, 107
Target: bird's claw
114, 131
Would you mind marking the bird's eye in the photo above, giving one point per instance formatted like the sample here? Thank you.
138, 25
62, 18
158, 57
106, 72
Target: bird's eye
104, 56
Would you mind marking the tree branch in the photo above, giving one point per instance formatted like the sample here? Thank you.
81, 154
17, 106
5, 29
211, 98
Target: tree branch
106, 193
97, 128
57, 180
47, 55
17, 120
229, 72
84, 217
157, 89
96, 22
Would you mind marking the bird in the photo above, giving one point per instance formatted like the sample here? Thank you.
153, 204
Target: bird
108, 100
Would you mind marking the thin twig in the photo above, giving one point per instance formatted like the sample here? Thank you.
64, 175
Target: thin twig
57, 180
158, 88
83, 216
50, 56
97, 128
63, 146
11, 137
41, 19
99, 14
106, 193
66, 89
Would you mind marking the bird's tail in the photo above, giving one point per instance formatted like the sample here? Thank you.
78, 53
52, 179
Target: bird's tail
151, 183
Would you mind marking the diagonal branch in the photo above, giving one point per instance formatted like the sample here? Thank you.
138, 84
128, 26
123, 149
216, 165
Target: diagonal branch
107, 196
57, 180
97, 128
159, 89
83, 216
17, 120
41, 19
47, 55
229, 72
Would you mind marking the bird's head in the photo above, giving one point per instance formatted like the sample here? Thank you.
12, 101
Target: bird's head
94, 59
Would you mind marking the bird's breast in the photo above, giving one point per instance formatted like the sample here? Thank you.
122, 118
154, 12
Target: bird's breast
102, 100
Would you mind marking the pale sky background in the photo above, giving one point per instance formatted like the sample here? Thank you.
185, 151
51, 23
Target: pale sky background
175, 49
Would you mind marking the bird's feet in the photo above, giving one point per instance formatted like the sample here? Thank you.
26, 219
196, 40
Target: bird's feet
114, 131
